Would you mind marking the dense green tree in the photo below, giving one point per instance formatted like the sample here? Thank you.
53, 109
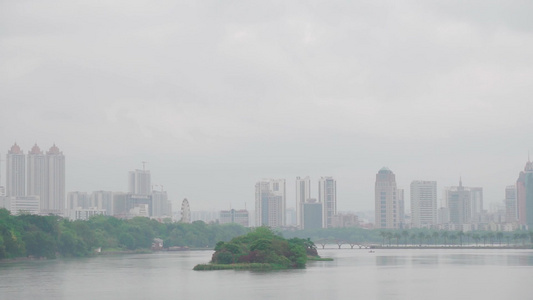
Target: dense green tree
263, 245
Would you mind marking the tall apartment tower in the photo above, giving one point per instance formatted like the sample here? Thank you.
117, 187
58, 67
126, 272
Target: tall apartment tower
459, 204
524, 189
327, 195
55, 164
161, 207
476, 201
140, 182
303, 192
386, 201
312, 217
270, 203
37, 175
510, 204
423, 203
15, 172
401, 206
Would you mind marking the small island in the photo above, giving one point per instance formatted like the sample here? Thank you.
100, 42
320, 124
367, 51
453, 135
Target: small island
261, 249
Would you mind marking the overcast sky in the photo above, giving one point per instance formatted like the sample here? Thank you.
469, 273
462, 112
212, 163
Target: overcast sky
216, 95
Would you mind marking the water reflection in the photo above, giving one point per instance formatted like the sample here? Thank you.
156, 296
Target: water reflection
389, 260
386, 274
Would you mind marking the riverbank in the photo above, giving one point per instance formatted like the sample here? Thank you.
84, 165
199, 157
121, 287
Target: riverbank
450, 247
314, 258
249, 266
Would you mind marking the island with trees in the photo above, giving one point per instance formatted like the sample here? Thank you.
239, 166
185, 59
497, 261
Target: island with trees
261, 249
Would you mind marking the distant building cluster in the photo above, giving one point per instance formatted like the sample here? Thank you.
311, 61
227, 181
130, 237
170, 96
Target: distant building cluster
142, 200
311, 213
461, 207
35, 183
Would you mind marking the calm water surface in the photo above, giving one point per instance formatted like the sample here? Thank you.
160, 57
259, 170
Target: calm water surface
385, 274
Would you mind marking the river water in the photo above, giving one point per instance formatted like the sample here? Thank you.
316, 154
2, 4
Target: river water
414, 274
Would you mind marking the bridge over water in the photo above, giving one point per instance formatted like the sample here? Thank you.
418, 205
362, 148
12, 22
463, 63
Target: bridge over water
340, 243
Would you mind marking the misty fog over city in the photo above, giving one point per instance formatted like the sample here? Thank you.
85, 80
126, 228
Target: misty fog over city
388, 137
218, 96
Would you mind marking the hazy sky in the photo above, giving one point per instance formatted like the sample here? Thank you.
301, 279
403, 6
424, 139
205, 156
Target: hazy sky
216, 95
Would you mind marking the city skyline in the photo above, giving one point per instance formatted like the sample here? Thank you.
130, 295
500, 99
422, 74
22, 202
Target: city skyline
345, 204
434, 91
462, 208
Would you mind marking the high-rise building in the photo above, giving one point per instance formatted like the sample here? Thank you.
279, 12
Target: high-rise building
270, 202
77, 200
312, 214
327, 195
37, 175
458, 202
303, 192
476, 201
290, 217
127, 205
510, 204
401, 206
161, 207
15, 172
465, 204
386, 200
140, 182
524, 188
423, 203
55, 164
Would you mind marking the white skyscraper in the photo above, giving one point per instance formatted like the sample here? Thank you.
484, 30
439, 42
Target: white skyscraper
37, 175
140, 182
327, 195
55, 162
15, 172
303, 192
270, 202
423, 203
387, 209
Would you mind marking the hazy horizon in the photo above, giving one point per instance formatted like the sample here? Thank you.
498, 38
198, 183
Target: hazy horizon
216, 96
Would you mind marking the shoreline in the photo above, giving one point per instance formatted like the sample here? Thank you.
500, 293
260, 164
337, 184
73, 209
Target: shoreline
433, 247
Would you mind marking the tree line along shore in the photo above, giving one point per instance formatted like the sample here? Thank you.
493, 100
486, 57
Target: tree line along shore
33, 236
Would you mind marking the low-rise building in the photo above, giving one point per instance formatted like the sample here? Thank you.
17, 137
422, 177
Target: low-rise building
235, 216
